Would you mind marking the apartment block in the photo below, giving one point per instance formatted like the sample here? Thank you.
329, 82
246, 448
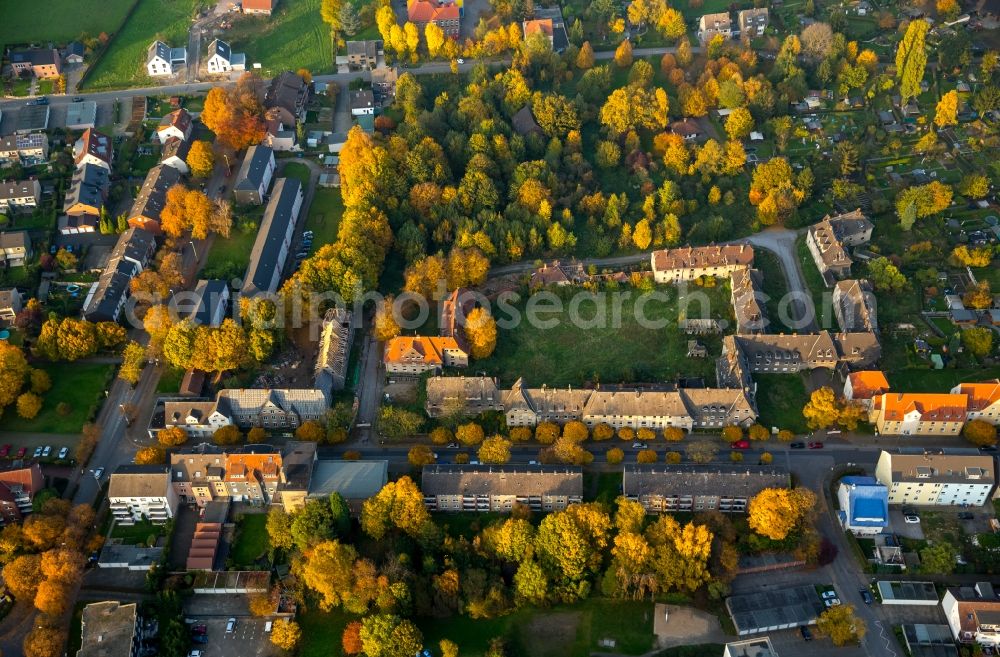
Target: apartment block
249, 475
919, 414
936, 479
461, 395
691, 262
141, 492
665, 488
497, 488
973, 614
109, 629
983, 400
828, 241
414, 355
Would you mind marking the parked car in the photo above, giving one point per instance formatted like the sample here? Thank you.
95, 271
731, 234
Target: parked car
815, 445
199, 638
964, 515
46, 450
988, 448
911, 520
453, 446
230, 625
21, 452
195, 653
826, 595
806, 633
866, 596
832, 602
740, 444
307, 233
98, 473
798, 445
64, 452
640, 446
38, 452
5, 450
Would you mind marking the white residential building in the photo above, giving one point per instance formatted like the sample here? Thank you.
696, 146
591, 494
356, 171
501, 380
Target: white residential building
973, 614
199, 419
18, 194
162, 60
984, 400
936, 479
222, 59
139, 492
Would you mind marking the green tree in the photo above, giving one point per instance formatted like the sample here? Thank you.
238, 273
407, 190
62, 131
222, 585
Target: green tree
395, 422
938, 558
383, 635
312, 524
978, 340
886, 276
911, 60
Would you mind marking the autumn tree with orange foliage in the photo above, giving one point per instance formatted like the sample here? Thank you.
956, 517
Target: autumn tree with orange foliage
350, 640
192, 210
150, 456
201, 159
236, 115
44, 641
52, 597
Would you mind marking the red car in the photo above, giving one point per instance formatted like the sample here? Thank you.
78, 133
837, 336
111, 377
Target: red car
5, 450
21, 452
816, 445
741, 444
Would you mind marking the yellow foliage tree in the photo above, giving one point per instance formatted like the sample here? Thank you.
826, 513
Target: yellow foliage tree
201, 159
285, 634
841, 624
481, 332
946, 113
150, 456
495, 450
776, 512
623, 54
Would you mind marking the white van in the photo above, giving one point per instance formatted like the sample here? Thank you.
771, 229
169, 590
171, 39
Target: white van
267, 626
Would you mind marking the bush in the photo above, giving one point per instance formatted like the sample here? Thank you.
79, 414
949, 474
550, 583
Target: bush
980, 433
757, 432
673, 458
615, 456
732, 434
352, 455
626, 433
63, 409
462, 458
646, 456
603, 431
735, 457
646, 434
786, 436
766, 458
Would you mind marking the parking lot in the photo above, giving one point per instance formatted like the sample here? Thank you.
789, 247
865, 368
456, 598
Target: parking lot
248, 639
790, 642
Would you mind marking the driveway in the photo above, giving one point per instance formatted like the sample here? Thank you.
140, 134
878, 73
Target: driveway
781, 242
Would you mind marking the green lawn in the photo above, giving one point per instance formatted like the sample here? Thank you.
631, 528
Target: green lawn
61, 20
321, 632
230, 256
780, 398
294, 37
170, 381
251, 541
927, 380
324, 216
124, 63
298, 171
570, 631
571, 353
813, 279
80, 385
140, 532
775, 286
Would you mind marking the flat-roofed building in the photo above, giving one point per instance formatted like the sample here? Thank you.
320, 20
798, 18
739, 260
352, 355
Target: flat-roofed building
759, 647
920, 594
81, 115
141, 492
691, 262
666, 488
355, 481
924, 640
497, 488
919, 414
936, 479
109, 629
775, 609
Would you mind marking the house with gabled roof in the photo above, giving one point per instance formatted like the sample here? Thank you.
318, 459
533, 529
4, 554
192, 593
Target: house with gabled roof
414, 355
854, 305
222, 59
274, 238
692, 487
18, 488
829, 238
983, 400
263, 7
919, 414
254, 177
498, 488
88, 190
863, 386
162, 60
175, 125
445, 16
93, 147
973, 614
691, 262
462, 395
152, 198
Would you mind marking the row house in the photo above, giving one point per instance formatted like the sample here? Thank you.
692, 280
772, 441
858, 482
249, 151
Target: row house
105, 300
919, 414
27, 150
448, 396
200, 419
141, 492
254, 177
16, 195
85, 198
983, 400
828, 241
174, 155
152, 198
15, 248
777, 353
274, 238
711, 25
691, 262
728, 488
498, 488
286, 98
272, 408
637, 409
864, 386
937, 479
414, 355
446, 16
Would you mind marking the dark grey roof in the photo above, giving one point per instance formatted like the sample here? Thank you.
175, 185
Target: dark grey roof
693, 479
158, 49
210, 294
36, 57
111, 287
15, 239
89, 186
288, 91
362, 99
176, 148
270, 237
33, 118
251, 173
134, 244
502, 480
220, 48
75, 48
790, 607
153, 195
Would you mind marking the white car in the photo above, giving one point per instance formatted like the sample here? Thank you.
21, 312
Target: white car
453, 446
98, 473
640, 446
911, 520
829, 594
832, 602
46, 450
460, 60
64, 452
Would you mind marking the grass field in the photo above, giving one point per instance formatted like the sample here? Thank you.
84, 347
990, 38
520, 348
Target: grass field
294, 37
321, 632
606, 350
572, 631
926, 380
324, 216
780, 398
229, 257
251, 540
140, 532
81, 386
64, 20
124, 64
